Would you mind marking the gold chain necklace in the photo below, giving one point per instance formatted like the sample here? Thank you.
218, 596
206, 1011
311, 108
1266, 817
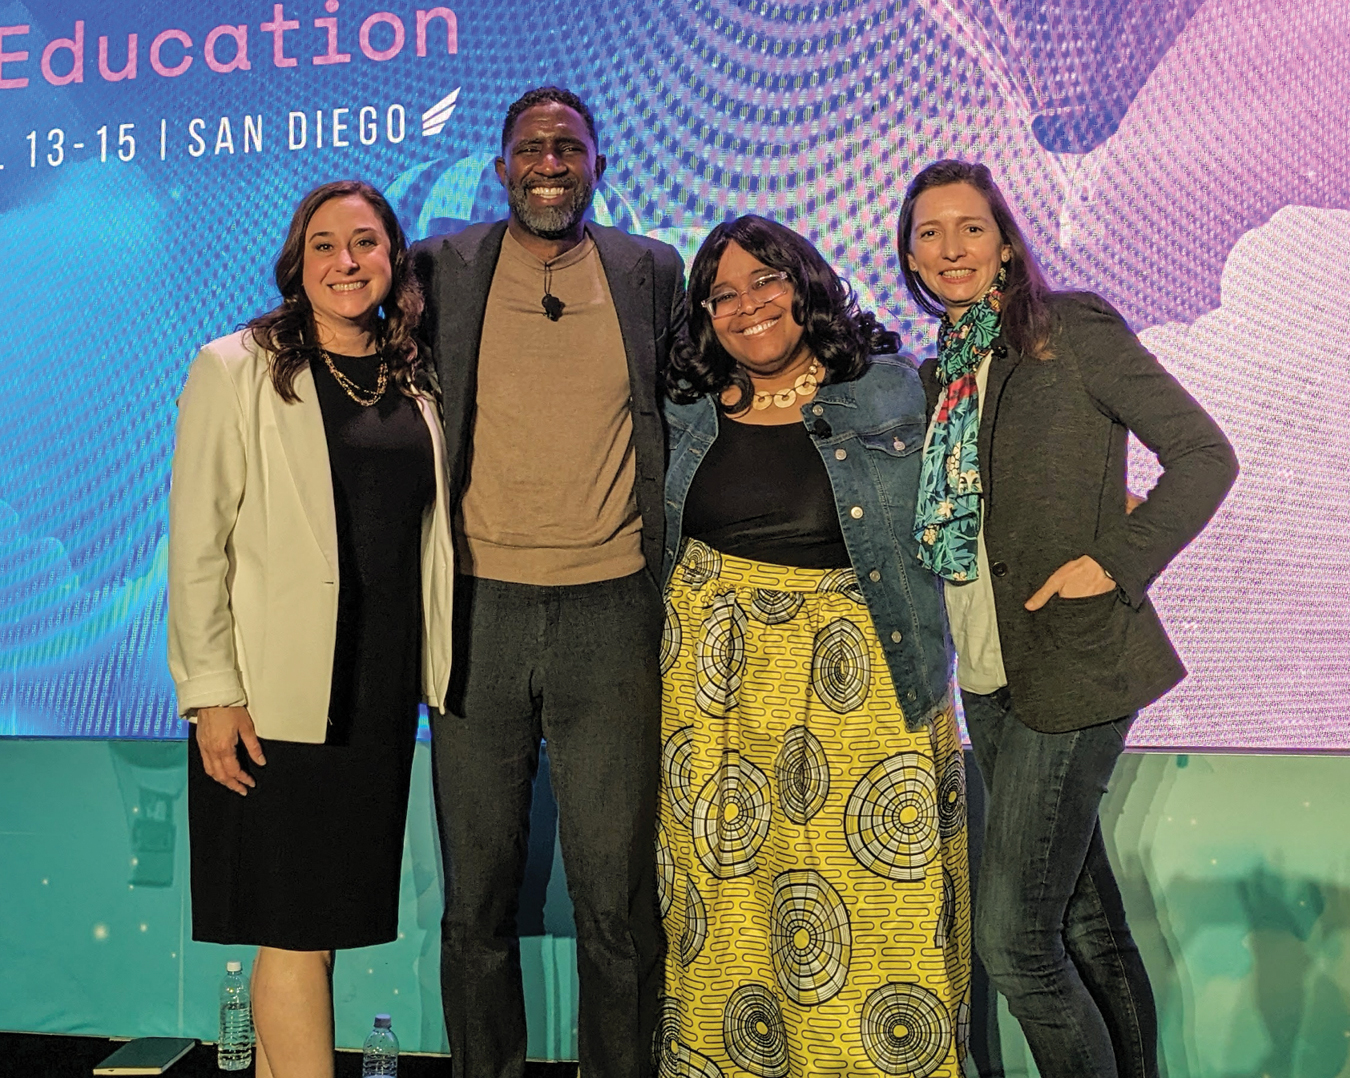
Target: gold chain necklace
359, 393
803, 387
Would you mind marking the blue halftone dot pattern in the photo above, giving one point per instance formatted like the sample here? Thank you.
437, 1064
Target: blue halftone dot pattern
1141, 145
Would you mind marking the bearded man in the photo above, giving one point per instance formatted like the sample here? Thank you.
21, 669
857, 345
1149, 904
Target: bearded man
549, 335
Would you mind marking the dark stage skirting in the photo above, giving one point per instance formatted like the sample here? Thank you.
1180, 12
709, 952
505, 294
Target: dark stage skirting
56, 1056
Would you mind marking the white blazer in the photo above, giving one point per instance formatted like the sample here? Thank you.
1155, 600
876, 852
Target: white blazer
253, 554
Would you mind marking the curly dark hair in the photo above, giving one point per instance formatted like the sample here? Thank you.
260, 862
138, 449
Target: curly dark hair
542, 95
288, 332
839, 336
1026, 316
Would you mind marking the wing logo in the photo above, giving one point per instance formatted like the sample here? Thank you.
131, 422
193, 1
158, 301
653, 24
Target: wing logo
434, 119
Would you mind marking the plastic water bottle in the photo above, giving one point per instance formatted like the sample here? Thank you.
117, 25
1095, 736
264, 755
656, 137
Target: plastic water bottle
379, 1057
234, 1051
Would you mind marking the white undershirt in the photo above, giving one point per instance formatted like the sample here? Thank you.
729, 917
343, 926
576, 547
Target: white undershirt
970, 606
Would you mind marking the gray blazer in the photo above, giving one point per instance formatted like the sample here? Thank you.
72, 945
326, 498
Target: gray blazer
646, 281
1052, 462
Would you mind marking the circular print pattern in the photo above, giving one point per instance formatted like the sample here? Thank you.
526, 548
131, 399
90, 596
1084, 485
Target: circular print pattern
775, 607
905, 1030
803, 772
677, 769
673, 1058
666, 1039
719, 659
672, 636
952, 797
840, 668
843, 581
810, 940
695, 932
665, 871
731, 817
753, 1032
700, 563
891, 819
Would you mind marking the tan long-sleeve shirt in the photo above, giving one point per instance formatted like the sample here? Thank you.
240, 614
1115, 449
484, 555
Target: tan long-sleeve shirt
549, 498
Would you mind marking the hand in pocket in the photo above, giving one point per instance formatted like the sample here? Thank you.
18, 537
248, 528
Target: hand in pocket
1077, 579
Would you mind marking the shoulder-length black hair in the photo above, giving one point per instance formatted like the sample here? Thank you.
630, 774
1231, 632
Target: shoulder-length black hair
838, 335
287, 332
1026, 316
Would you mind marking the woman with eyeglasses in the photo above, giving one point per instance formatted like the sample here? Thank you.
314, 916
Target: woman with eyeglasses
812, 843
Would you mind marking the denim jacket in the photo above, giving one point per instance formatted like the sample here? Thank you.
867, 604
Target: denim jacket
870, 434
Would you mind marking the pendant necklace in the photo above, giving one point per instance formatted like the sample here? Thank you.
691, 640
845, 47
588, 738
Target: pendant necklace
803, 387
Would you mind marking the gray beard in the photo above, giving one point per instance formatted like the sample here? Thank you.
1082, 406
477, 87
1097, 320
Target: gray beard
551, 222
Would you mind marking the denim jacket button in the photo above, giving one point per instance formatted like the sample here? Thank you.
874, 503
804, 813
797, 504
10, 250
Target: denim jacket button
856, 512
840, 454
895, 636
817, 410
1000, 568
874, 576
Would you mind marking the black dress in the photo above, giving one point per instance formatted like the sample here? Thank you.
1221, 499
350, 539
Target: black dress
311, 858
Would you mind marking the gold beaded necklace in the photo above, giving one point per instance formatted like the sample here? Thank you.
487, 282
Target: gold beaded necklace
359, 393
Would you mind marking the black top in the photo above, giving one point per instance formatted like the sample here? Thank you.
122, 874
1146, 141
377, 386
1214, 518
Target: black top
276, 868
383, 470
763, 493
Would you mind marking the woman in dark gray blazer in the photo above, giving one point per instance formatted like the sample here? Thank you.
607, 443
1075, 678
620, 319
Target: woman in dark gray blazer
1022, 510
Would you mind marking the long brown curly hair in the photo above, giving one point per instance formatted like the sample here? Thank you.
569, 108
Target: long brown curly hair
287, 331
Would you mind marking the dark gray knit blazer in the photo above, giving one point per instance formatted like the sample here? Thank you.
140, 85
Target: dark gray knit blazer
1052, 462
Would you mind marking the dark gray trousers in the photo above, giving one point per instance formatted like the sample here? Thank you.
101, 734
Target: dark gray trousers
577, 666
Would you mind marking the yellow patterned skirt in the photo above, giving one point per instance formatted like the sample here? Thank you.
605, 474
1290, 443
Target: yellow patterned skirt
812, 851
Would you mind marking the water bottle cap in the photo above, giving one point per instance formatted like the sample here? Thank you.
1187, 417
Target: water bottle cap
233, 967
383, 1021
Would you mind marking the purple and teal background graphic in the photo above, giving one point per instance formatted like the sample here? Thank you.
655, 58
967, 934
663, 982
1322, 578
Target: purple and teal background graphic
1183, 158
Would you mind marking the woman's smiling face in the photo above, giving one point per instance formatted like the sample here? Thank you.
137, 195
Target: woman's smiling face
347, 269
955, 246
763, 337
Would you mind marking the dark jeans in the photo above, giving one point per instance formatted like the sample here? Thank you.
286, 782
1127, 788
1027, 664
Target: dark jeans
1049, 922
577, 665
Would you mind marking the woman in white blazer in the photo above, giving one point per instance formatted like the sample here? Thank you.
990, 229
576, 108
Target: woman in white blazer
310, 583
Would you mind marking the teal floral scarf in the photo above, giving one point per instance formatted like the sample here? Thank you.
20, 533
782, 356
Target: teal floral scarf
947, 517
